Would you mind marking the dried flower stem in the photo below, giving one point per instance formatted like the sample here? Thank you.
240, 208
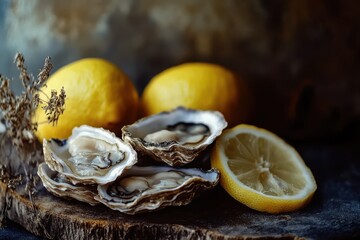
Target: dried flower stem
18, 114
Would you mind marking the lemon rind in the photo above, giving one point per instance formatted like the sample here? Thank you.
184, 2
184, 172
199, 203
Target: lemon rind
278, 204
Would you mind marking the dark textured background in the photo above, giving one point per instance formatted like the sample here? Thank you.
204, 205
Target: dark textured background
300, 58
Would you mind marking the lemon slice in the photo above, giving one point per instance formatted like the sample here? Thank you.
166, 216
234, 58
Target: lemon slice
261, 170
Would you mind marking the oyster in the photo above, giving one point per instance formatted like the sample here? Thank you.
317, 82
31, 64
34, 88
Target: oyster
175, 137
59, 185
89, 156
142, 189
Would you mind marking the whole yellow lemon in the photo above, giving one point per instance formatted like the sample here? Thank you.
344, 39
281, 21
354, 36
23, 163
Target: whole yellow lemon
202, 86
98, 94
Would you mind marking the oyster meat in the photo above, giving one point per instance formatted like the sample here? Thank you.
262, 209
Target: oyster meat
59, 185
94, 166
175, 137
89, 156
142, 189
181, 133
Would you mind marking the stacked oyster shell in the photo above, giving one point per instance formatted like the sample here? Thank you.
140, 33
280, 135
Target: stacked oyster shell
95, 166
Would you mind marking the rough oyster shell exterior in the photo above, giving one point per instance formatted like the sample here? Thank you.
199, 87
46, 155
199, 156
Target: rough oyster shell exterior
60, 186
89, 156
172, 152
143, 189
94, 166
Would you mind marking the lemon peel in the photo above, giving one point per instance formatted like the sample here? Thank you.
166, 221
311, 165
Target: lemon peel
261, 170
98, 94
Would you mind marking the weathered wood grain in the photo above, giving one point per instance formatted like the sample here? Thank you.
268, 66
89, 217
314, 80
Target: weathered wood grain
55, 218
332, 214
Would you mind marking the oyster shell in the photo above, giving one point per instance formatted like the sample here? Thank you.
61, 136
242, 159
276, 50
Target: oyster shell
59, 185
175, 137
89, 156
142, 189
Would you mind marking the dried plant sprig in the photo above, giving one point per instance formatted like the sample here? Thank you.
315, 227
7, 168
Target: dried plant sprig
8, 179
11, 182
18, 111
55, 106
18, 114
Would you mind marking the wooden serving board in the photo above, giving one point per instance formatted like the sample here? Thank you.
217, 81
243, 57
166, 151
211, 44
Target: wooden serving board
53, 217
333, 212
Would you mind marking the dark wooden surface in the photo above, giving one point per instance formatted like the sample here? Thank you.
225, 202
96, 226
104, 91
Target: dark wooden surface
333, 213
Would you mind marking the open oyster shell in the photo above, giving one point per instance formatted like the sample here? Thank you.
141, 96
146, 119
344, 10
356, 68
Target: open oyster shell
142, 189
175, 137
59, 185
89, 156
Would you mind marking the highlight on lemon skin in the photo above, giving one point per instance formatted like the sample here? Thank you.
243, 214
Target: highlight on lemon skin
201, 86
262, 171
98, 94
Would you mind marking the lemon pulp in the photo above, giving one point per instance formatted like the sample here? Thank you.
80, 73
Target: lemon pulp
262, 171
